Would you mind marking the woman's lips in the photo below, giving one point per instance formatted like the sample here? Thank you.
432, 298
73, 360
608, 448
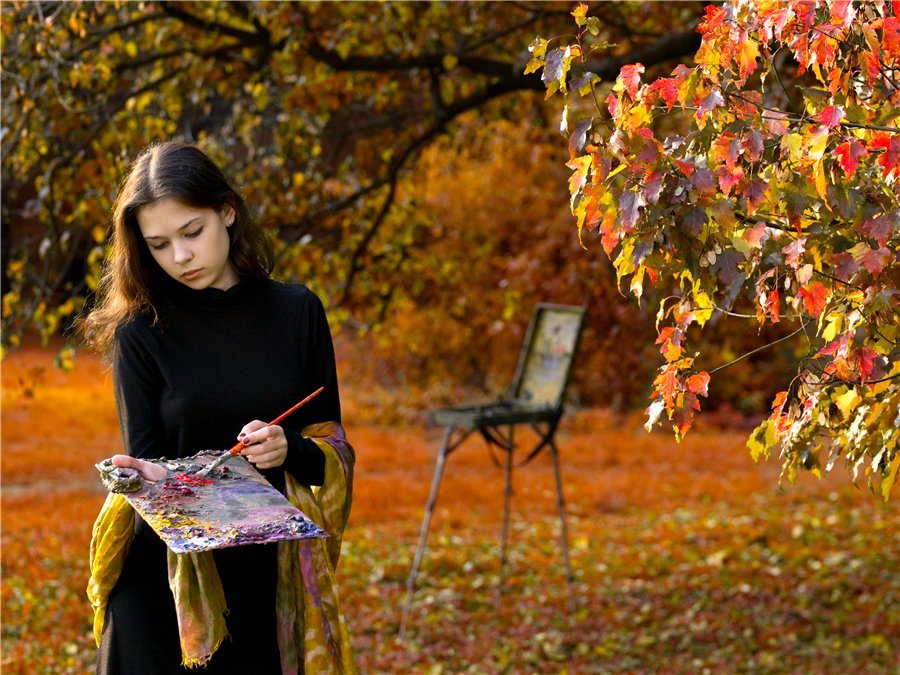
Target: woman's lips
190, 275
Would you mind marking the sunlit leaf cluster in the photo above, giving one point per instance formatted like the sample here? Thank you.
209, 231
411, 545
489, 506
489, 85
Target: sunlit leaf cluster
760, 183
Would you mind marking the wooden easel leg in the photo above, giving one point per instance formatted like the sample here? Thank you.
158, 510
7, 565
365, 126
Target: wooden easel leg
507, 497
423, 533
560, 502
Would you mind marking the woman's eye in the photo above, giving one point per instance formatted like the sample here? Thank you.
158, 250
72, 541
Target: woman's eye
194, 234
159, 247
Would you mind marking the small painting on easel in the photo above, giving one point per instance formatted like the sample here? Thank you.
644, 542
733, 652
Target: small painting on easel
231, 506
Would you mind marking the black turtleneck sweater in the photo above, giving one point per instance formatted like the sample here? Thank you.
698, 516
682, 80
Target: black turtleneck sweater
187, 381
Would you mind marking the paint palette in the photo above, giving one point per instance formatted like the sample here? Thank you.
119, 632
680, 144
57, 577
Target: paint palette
232, 506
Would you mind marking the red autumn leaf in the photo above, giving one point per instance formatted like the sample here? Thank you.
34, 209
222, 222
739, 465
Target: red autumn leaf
612, 103
871, 67
667, 384
652, 185
687, 168
824, 44
630, 77
710, 102
772, 305
755, 192
705, 181
754, 235
747, 106
667, 89
844, 266
842, 12
773, 21
831, 116
593, 212
650, 149
752, 143
664, 334
778, 402
713, 19
848, 155
836, 348
683, 416
682, 77
727, 149
837, 80
889, 158
793, 251
728, 178
890, 43
842, 367
670, 339
866, 360
872, 259
579, 136
629, 203
684, 320
747, 55
699, 383
609, 237
880, 228
814, 297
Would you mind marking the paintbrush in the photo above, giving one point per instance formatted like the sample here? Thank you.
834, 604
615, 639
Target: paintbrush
228, 454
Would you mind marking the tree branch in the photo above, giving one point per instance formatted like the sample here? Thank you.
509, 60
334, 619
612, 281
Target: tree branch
258, 38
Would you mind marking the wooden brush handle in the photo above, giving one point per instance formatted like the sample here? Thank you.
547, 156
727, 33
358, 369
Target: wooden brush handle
240, 444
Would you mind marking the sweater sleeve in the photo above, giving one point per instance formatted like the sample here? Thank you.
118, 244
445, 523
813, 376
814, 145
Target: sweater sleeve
305, 460
137, 384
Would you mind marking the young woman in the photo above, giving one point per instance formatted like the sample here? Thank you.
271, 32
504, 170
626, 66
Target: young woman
204, 345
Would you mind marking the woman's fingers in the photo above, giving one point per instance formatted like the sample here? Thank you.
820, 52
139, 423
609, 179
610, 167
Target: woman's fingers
265, 447
250, 428
148, 470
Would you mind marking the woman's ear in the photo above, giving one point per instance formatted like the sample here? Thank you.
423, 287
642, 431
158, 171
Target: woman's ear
228, 214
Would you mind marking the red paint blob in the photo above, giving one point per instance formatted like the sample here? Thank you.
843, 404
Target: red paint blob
192, 480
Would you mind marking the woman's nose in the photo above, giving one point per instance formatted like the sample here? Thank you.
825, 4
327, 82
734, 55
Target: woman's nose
182, 253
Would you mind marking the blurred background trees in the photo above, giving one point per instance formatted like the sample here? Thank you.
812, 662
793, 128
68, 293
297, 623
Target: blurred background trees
408, 169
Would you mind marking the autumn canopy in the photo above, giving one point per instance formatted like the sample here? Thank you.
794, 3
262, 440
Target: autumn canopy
759, 184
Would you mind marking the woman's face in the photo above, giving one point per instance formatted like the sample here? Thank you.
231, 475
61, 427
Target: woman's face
190, 244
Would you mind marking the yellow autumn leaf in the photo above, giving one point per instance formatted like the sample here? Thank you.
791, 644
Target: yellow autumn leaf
888, 481
847, 402
821, 179
793, 144
702, 307
833, 327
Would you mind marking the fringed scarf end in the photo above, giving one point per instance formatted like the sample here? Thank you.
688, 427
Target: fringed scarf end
202, 660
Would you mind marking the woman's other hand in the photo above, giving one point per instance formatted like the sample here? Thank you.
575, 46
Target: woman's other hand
264, 445
148, 470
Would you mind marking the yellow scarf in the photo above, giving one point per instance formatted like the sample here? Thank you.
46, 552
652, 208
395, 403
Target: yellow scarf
312, 632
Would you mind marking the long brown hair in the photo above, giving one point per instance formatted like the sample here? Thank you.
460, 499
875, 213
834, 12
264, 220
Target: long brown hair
130, 281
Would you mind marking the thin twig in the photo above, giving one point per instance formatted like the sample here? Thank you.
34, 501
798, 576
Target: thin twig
758, 349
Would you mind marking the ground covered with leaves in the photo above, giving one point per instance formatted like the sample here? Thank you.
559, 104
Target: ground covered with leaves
687, 558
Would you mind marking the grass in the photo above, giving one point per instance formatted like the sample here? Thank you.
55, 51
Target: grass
687, 558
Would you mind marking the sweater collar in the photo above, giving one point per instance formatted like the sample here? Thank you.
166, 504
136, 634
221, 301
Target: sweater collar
246, 289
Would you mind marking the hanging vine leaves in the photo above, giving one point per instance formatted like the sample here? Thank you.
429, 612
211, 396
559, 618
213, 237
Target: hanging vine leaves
761, 182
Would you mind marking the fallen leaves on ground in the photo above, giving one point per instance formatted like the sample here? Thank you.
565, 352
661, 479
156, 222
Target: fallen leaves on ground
687, 559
